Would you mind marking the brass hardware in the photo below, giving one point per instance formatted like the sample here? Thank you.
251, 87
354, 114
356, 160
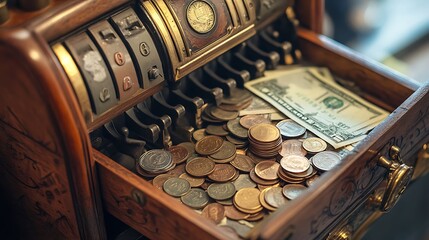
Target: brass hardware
345, 233
422, 164
76, 80
398, 178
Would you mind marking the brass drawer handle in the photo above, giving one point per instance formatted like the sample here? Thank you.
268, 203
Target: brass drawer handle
345, 233
398, 178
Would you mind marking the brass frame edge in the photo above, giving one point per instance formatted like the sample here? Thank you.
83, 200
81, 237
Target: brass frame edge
180, 29
76, 80
173, 28
233, 13
164, 32
215, 49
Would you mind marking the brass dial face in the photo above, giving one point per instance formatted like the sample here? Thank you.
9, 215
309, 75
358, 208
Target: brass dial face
201, 16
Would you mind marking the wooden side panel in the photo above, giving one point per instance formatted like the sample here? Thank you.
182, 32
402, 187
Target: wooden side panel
310, 14
44, 154
33, 173
147, 209
340, 191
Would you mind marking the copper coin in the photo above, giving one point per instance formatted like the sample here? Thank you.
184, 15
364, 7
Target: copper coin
292, 191
207, 118
267, 170
289, 128
176, 187
236, 107
179, 169
309, 173
208, 145
235, 140
189, 146
233, 213
314, 144
264, 133
256, 159
159, 180
243, 163
222, 173
247, 199
274, 197
227, 150
263, 202
292, 147
325, 161
259, 180
200, 167
221, 191
216, 130
236, 129
251, 120
214, 212
179, 153
222, 114
295, 163
256, 216
286, 178
244, 181
262, 187
194, 181
199, 134
196, 198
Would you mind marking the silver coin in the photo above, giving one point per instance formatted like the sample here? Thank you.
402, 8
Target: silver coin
325, 161
176, 187
196, 198
274, 197
221, 191
155, 160
289, 128
292, 191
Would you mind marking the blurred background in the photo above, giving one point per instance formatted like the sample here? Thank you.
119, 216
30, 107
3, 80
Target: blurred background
395, 33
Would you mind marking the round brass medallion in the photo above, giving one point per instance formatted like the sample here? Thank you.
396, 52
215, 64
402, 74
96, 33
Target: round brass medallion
201, 16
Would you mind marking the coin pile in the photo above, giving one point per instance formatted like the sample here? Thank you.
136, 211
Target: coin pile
219, 177
265, 140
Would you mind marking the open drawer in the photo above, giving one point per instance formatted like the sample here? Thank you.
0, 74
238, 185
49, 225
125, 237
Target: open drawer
336, 195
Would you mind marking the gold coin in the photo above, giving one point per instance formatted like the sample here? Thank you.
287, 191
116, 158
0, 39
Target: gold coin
195, 182
200, 167
295, 163
267, 170
247, 199
222, 173
264, 133
208, 145
250, 211
314, 144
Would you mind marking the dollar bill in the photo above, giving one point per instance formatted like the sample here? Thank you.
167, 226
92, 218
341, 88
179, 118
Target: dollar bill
260, 106
330, 111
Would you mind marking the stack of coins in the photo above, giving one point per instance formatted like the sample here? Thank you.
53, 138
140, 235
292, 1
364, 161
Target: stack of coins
216, 175
265, 140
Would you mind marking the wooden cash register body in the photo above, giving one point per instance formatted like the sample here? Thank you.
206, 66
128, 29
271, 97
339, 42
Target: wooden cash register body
53, 183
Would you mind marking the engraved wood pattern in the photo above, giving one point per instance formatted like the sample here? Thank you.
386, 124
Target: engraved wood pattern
147, 209
44, 142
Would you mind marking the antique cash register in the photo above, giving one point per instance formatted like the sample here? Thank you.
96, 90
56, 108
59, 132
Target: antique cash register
135, 112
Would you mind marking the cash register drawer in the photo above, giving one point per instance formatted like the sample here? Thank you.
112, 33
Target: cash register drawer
335, 196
